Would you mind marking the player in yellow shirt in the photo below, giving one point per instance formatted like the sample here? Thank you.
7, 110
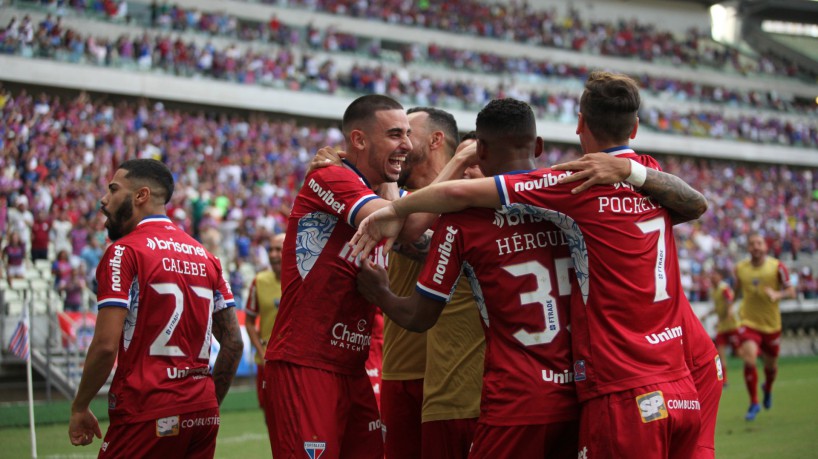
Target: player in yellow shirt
431, 381
727, 327
762, 281
262, 302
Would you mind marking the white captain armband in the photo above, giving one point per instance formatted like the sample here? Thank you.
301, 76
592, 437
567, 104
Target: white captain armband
639, 174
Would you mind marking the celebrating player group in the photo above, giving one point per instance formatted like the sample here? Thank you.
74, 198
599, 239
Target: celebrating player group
589, 347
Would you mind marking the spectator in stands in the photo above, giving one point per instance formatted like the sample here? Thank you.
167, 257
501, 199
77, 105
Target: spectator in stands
40, 236
79, 236
807, 284
61, 268
73, 289
20, 221
91, 254
62, 230
14, 257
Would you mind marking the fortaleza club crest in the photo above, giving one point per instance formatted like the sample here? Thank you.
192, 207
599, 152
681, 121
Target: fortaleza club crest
315, 449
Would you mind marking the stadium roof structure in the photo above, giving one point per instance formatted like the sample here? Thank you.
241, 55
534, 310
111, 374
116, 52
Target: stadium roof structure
798, 49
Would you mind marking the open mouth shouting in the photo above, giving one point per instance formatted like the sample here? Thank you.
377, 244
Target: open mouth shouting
396, 161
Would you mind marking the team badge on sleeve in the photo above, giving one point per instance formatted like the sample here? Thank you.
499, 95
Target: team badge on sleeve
315, 449
167, 427
719, 369
652, 406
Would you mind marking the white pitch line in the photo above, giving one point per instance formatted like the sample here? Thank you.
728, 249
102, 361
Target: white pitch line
70, 456
242, 438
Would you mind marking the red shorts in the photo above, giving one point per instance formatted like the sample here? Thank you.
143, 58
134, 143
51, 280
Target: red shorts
654, 421
556, 440
260, 387
320, 413
768, 343
709, 381
189, 435
728, 338
401, 404
449, 439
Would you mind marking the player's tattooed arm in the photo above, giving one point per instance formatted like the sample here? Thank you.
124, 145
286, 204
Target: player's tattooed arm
226, 330
682, 201
416, 250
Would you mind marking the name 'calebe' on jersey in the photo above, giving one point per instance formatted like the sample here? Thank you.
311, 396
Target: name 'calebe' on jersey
171, 287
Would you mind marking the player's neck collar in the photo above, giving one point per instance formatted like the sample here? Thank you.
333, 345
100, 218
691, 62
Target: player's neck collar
355, 169
620, 150
154, 218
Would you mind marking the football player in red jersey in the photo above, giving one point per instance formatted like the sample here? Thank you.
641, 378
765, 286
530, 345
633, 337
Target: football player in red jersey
315, 380
629, 374
161, 298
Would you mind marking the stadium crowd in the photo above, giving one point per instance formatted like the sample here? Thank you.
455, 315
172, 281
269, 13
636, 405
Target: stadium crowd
173, 18
524, 23
284, 69
238, 173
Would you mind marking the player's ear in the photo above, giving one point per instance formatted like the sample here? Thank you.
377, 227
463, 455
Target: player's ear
357, 139
142, 195
580, 124
635, 128
538, 147
437, 139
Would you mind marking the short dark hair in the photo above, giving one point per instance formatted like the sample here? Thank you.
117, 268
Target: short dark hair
441, 120
610, 105
152, 171
471, 135
364, 108
507, 118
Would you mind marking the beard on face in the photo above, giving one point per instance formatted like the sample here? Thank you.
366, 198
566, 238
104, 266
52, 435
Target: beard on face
404, 176
116, 222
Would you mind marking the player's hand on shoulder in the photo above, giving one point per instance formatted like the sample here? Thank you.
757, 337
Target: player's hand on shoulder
595, 169
373, 281
326, 156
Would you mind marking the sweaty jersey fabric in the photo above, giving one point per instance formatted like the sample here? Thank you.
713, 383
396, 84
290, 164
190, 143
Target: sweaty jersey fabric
757, 310
404, 352
518, 267
455, 349
722, 298
323, 322
262, 301
171, 287
626, 321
